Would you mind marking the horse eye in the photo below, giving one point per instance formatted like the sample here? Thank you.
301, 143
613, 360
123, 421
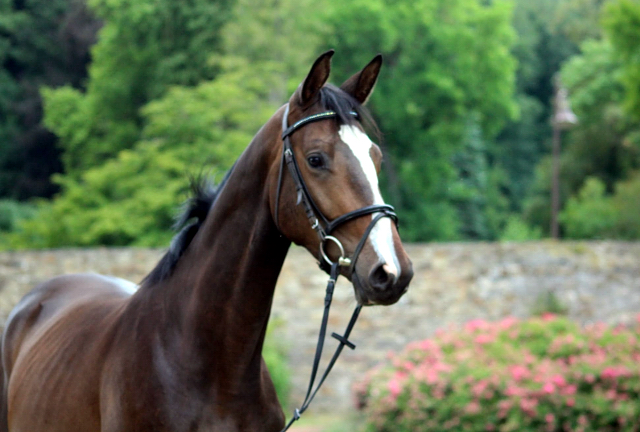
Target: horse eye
315, 161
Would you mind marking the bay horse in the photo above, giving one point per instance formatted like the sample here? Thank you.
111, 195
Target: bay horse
182, 352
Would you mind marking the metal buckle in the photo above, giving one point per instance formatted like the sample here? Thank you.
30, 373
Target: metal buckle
342, 260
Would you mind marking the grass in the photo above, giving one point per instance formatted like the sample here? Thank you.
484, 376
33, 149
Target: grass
352, 422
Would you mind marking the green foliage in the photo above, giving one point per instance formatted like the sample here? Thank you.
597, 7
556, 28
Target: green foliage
464, 75
144, 48
549, 303
464, 100
622, 24
262, 34
128, 163
626, 202
11, 212
594, 214
42, 42
131, 199
517, 230
540, 374
542, 45
274, 354
589, 214
600, 146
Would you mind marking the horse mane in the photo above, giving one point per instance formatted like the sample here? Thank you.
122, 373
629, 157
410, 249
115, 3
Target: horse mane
203, 195
335, 99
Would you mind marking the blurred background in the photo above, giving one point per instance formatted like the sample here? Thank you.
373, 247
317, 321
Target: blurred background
503, 121
106, 105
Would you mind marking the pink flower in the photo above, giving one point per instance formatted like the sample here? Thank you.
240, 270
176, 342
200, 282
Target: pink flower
590, 378
519, 372
528, 406
503, 408
558, 380
549, 388
508, 322
400, 375
550, 418
476, 324
571, 402
472, 408
514, 391
394, 387
427, 345
484, 339
609, 373
548, 316
569, 390
479, 388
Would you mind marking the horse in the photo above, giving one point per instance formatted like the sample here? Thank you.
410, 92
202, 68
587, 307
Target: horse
182, 351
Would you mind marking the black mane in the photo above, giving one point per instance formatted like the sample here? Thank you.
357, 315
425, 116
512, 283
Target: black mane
203, 195
335, 99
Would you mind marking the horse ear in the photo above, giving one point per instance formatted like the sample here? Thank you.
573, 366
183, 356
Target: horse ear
361, 84
317, 77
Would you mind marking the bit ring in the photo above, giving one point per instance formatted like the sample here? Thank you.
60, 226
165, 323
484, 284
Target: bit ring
342, 260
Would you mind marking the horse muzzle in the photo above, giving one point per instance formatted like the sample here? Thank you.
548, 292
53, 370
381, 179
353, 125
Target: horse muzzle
381, 284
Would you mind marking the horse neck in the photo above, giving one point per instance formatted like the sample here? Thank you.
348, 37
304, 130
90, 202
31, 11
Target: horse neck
222, 288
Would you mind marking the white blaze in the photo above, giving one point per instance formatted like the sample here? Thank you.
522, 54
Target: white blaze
381, 235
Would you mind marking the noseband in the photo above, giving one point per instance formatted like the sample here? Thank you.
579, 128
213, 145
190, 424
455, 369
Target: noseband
319, 223
324, 228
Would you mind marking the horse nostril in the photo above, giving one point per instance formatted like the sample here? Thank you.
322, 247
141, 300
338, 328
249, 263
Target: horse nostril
380, 279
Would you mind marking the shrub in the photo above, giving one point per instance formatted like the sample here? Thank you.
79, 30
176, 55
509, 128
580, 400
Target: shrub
13, 211
542, 374
590, 214
517, 230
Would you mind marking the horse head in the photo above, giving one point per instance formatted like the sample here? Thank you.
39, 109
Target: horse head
327, 199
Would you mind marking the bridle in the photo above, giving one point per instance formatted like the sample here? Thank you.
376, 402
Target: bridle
324, 228
319, 223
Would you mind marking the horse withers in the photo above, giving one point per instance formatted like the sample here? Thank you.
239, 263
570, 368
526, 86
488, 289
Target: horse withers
182, 352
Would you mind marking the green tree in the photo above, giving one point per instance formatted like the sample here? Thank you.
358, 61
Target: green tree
446, 63
546, 37
603, 145
42, 42
622, 24
144, 48
590, 213
131, 198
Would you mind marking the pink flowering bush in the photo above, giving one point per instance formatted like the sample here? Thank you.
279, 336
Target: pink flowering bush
542, 374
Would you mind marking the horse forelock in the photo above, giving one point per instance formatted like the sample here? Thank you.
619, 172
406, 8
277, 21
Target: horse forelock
335, 99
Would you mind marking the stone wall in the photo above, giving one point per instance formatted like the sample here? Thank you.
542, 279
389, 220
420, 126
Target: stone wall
453, 283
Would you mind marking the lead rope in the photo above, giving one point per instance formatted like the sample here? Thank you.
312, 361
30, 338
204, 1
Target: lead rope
344, 340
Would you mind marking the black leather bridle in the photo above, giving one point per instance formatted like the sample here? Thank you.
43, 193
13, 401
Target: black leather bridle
320, 224
324, 228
